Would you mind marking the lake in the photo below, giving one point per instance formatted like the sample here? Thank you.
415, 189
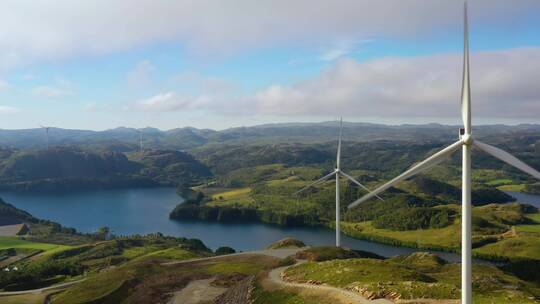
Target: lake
142, 211
531, 199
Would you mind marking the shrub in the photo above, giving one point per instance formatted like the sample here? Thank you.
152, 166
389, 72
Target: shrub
224, 250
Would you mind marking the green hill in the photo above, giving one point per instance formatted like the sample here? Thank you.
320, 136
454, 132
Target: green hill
71, 168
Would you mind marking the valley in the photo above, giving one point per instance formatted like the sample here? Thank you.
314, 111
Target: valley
136, 226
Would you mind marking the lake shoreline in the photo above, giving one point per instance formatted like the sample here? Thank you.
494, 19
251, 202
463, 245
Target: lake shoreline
146, 210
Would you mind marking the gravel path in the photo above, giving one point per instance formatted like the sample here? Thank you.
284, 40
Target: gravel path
196, 292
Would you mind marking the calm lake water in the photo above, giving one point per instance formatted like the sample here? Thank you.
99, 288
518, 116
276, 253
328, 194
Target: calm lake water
526, 198
142, 211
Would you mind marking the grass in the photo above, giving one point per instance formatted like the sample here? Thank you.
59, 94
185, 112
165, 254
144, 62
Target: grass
524, 245
447, 237
232, 194
12, 242
512, 187
96, 286
138, 251
237, 197
114, 283
534, 228
145, 276
174, 253
283, 296
435, 281
24, 299
234, 267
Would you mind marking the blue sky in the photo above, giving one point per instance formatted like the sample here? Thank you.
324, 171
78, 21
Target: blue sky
84, 67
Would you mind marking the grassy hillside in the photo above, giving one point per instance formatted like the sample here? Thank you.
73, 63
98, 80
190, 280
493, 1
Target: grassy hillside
412, 277
146, 280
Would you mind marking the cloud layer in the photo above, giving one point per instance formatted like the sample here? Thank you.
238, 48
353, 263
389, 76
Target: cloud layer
37, 30
504, 85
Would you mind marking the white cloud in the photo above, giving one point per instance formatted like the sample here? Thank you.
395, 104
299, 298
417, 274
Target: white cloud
504, 84
170, 102
42, 30
340, 49
8, 110
61, 88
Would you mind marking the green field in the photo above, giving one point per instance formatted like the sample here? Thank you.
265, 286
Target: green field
512, 187
534, 227
525, 245
11, 242
447, 237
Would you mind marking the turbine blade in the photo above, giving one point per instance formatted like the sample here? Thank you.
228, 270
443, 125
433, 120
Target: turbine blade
338, 160
466, 85
358, 183
507, 158
320, 180
422, 166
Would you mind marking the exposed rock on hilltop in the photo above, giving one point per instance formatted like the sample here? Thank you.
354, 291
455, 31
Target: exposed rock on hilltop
287, 242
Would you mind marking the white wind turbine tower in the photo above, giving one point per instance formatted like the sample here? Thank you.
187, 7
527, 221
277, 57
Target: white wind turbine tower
337, 172
46, 134
465, 142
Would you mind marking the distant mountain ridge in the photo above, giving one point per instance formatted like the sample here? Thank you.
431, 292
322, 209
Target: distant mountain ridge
124, 139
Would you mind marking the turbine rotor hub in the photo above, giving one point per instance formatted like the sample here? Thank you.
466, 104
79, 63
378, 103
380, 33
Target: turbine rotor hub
467, 139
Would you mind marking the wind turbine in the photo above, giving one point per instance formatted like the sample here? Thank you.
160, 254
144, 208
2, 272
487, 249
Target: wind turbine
140, 141
465, 142
337, 172
47, 134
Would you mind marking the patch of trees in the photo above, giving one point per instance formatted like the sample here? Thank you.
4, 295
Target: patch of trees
172, 167
532, 188
415, 218
223, 159
397, 202
240, 214
224, 250
483, 195
525, 269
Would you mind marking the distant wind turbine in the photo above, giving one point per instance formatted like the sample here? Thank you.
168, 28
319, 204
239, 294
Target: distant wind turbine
465, 142
337, 172
46, 134
140, 141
